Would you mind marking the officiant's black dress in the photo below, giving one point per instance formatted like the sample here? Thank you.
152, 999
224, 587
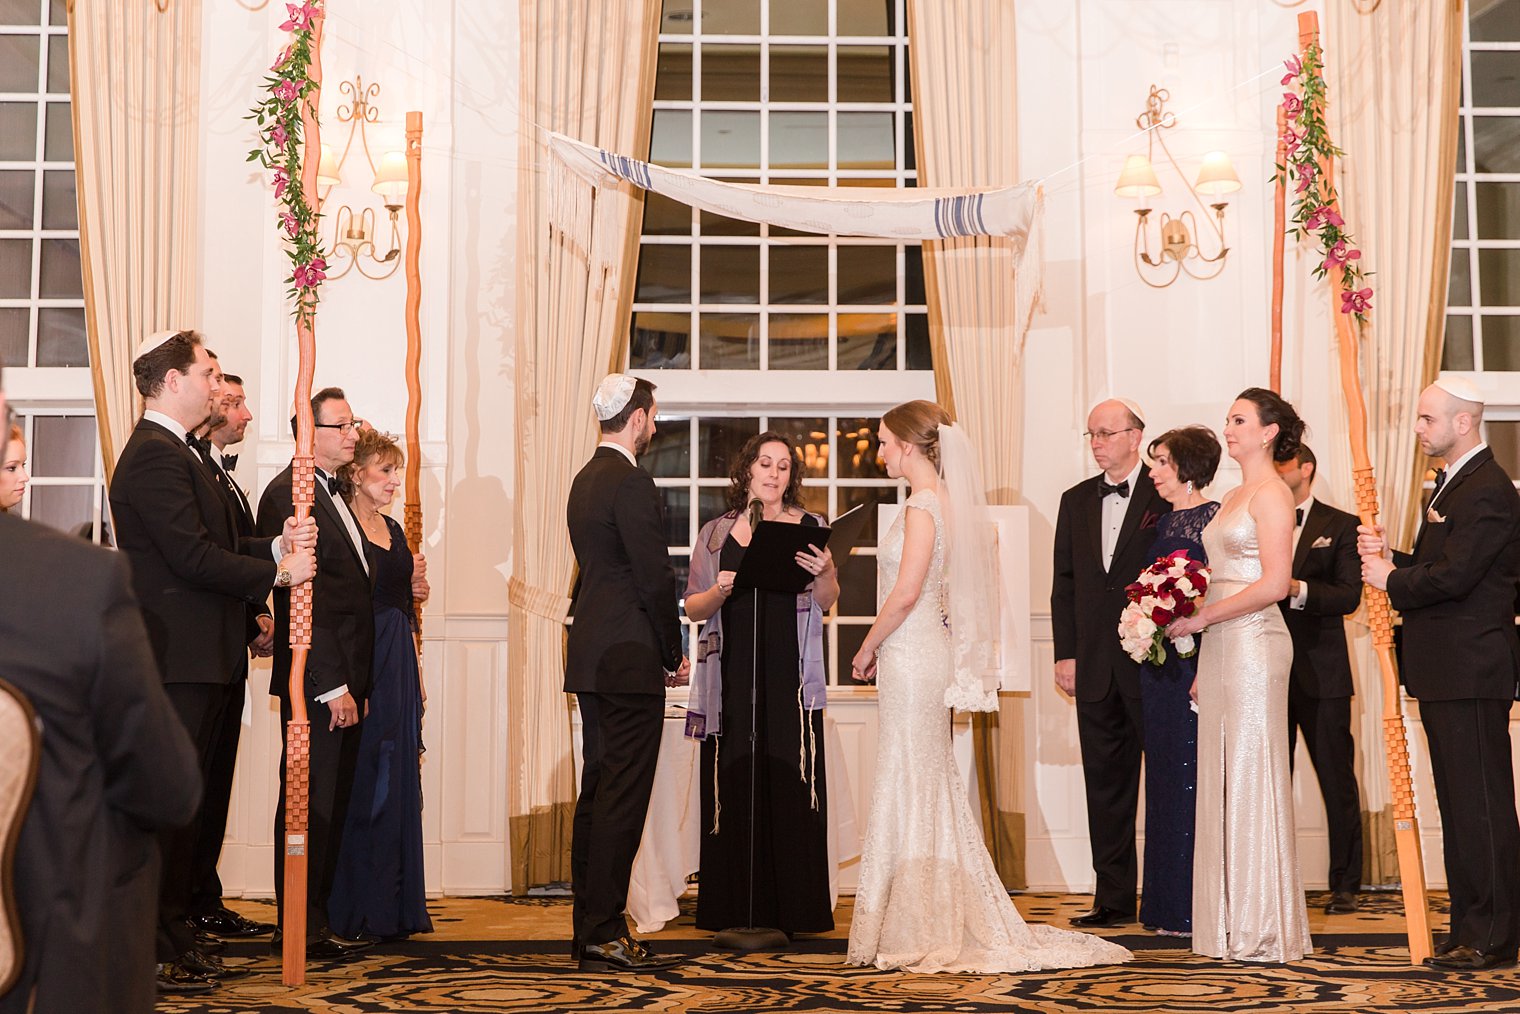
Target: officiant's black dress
1171, 753
791, 837
378, 888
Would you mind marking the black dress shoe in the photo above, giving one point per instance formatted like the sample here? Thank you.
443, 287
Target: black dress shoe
625, 954
211, 966
324, 944
1463, 958
1101, 916
226, 923
1446, 946
206, 943
1341, 903
175, 979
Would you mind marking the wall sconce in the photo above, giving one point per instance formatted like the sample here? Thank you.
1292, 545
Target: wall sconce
354, 232
1138, 180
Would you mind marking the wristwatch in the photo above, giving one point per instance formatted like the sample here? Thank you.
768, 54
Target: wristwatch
282, 578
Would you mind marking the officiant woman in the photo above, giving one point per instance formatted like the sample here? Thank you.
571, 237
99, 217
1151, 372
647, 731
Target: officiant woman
785, 664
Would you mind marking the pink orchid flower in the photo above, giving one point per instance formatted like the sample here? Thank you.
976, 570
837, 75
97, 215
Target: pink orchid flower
1357, 301
1341, 253
1305, 175
1322, 216
290, 222
280, 60
281, 181
1292, 104
287, 91
1295, 67
300, 18
308, 276
278, 136
1291, 140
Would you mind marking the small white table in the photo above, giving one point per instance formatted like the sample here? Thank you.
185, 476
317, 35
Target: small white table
671, 847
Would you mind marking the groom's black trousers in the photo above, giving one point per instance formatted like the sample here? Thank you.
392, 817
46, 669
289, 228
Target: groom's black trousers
620, 742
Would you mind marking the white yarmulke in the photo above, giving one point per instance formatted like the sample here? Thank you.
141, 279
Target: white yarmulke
1134, 409
153, 341
612, 395
1460, 388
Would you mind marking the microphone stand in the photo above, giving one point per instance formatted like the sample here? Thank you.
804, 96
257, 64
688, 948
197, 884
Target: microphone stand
750, 937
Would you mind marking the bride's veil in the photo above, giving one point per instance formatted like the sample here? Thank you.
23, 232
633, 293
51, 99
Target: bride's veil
973, 597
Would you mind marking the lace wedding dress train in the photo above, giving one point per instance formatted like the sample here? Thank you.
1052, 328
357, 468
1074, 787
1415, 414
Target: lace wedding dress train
929, 899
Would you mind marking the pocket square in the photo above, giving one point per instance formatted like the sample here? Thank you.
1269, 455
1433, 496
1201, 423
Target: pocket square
1323, 542
1433, 518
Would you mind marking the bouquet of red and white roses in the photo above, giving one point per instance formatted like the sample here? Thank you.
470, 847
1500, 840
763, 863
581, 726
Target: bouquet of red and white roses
1166, 590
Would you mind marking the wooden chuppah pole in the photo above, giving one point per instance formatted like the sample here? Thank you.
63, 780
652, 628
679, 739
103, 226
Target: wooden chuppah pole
303, 496
1379, 615
413, 509
1279, 230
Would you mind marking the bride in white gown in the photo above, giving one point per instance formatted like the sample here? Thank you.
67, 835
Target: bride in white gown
929, 899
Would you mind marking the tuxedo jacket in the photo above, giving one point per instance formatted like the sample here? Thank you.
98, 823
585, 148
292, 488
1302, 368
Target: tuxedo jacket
1086, 599
116, 767
1326, 559
627, 631
242, 510
1456, 591
194, 575
343, 611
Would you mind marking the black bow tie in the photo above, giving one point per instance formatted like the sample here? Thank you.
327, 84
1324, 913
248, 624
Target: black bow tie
335, 485
229, 461
200, 445
1298, 513
1440, 481
1105, 488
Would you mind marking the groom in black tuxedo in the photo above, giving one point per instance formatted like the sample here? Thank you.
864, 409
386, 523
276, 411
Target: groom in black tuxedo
624, 649
1327, 584
1456, 592
1104, 532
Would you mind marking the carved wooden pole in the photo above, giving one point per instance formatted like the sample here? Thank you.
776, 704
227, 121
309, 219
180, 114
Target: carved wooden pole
413, 512
303, 495
1379, 615
1279, 229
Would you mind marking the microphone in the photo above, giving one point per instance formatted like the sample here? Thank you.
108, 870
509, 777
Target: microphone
756, 513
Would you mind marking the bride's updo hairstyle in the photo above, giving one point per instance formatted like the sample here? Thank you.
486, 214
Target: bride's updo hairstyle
1272, 407
918, 423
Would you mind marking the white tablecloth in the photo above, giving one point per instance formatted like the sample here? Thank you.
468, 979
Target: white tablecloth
672, 844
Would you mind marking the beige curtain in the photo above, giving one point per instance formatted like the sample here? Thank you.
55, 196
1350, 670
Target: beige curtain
587, 71
135, 81
961, 55
1394, 76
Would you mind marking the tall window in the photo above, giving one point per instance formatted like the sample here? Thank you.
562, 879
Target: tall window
747, 328
42, 334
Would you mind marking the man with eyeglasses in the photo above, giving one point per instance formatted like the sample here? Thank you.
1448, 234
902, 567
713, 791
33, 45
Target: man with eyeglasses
1104, 531
337, 666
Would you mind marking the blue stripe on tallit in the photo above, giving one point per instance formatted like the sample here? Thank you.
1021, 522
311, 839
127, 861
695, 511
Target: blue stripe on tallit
630, 169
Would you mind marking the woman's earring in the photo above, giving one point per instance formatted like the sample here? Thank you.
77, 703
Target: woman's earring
1264, 443
1190, 487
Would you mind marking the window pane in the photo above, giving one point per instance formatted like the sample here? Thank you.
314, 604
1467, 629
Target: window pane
799, 140
670, 138
864, 17
665, 217
799, 341
913, 274
61, 337
867, 341
731, 274
669, 454
811, 438
17, 187
850, 637
672, 79
14, 321
731, 17
664, 273
60, 209
711, 502
1496, 144
730, 341
660, 341
799, 74
1459, 289
63, 445
1503, 437
58, 145
19, 12
1459, 212
677, 515
20, 61
676, 17
58, 64
718, 443
867, 274
1501, 343
721, 225
15, 268
1499, 277
799, 274
865, 74
869, 496
919, 353
18, 131
866, 141
1457, 352
799, 17
857, 451
1499, 207
58, 12
730, 73
814, 498
1495, 21
1494, 82
61, 273
730, 139
857, 585
66, 508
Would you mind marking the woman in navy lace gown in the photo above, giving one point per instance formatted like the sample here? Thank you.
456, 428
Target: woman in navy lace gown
1182, 464
378, 888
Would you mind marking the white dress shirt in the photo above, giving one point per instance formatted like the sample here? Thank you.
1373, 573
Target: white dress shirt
1114, 507
1302, 598
625, 452
1453, 468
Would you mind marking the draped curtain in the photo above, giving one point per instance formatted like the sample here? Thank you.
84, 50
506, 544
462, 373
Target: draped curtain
1394, 74
135, 84
961, 55
587, 71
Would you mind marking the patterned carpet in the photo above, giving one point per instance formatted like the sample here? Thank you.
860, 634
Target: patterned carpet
505, 954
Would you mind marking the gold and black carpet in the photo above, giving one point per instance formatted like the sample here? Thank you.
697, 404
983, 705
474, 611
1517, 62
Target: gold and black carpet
511, 955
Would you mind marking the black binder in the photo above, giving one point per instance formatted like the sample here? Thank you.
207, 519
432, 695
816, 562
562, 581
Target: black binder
770, 560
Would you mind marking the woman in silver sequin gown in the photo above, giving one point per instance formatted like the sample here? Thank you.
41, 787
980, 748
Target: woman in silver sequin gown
1248, 894
929, 898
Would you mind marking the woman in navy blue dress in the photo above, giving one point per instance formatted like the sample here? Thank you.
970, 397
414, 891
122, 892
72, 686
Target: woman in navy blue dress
378, 890
1183, 462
